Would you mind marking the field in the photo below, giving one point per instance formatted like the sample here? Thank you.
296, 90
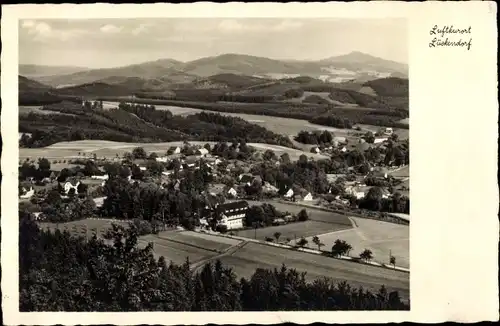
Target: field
285, 126
176, 252
253, 256
314, 214
293, 230
109, 149
382, 238
201, 240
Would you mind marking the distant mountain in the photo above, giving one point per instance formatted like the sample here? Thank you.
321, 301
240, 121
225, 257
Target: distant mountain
37, 70
362, 61
147, 70
166, 73
247, 65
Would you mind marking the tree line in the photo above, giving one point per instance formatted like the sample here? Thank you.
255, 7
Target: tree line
58, 272
148, 125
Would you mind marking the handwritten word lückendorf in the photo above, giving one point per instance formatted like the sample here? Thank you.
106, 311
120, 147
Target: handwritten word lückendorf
455, 37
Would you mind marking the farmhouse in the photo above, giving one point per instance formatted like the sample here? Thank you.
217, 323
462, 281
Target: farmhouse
388, 131
355, 191
167, 173
100, 177
379, 140
27, 193
279, 221
68, 186
307, 197
232, 214
163, 159
315, 150
289, 193
174, 150
201, 152
232, 192
269, 188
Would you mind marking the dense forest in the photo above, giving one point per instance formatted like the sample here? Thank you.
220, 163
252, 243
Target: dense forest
136, 124
58, 272
328, 115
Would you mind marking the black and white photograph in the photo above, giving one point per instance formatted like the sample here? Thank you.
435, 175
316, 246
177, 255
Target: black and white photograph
213, 164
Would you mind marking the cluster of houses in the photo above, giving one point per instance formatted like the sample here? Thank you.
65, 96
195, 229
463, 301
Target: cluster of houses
340, 143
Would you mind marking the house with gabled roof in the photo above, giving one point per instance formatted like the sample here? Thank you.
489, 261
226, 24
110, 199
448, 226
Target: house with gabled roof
232, 214
27, 193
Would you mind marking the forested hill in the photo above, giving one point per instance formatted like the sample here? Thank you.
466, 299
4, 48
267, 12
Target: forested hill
58, 272
68, 121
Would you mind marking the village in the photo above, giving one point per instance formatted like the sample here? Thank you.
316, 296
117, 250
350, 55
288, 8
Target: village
234, 175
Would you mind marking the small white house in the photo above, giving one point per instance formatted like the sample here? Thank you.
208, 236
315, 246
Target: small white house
163, 159
379, 140
27, 193
68, 186
175, 150
202, 151
167, 173
289, 193
308, 197
388, 131
355, 192
359, 194
269, 188
343, 149
100, 177
232, 192
142, 168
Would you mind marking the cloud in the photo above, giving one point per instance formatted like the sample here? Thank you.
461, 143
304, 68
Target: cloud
232, 25
28, 24
287, 25
43, 32
142, 28
110, 29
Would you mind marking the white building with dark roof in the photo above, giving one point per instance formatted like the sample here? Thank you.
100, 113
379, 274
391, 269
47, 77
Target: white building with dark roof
232, 214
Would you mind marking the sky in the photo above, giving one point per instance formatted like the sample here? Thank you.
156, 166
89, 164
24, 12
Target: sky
118, 42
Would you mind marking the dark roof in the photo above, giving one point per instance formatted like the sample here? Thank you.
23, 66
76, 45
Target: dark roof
233, 205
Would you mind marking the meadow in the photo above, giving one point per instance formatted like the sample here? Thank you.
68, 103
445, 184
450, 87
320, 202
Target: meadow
254, 255
291, 231
382, 238
109, 149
